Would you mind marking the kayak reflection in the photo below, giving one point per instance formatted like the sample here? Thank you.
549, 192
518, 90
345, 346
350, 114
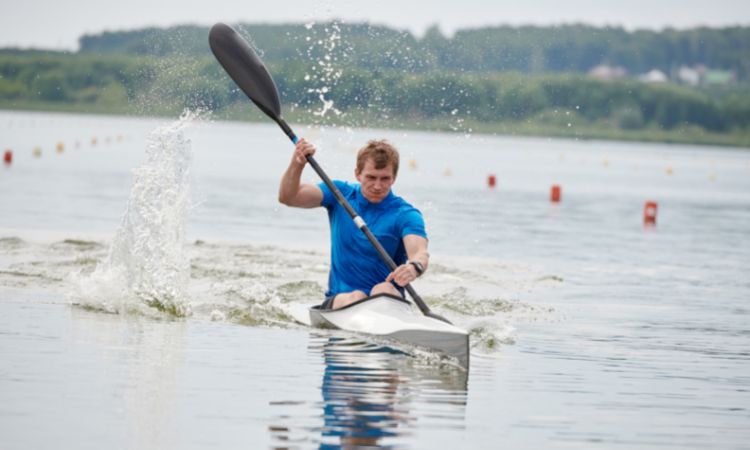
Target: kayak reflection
360, 404
372, 393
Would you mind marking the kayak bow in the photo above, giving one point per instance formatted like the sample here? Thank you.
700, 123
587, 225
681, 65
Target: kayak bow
394, 318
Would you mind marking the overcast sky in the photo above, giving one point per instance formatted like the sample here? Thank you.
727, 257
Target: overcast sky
58, 24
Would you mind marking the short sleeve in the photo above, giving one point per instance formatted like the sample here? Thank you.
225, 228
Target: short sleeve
329, 199
412, 222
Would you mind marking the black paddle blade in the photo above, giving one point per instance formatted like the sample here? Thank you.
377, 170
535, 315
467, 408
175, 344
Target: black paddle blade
245, 68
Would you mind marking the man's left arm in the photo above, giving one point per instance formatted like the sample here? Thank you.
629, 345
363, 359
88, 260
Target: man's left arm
416, 251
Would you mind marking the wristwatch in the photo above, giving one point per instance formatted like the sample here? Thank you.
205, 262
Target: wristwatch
418, 266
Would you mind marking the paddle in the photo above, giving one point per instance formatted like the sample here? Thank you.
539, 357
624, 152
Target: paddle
248, 71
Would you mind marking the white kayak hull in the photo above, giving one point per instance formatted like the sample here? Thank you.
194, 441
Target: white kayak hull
395, 319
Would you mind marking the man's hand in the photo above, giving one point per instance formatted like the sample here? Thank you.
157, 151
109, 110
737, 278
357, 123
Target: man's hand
403, 275
301, 150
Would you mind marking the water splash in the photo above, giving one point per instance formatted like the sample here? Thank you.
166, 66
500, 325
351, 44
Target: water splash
265, 285
325, 73
147, 268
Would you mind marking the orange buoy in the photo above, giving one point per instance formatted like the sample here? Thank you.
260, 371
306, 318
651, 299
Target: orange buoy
649, 212
491, 181
8, 157
555, 193
60, 147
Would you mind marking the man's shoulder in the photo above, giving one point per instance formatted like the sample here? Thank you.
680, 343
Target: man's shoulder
400, 203
408, 219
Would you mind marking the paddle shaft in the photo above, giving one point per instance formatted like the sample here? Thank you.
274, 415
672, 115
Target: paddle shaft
360, 223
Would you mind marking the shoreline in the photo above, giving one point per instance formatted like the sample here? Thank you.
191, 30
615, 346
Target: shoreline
533, 129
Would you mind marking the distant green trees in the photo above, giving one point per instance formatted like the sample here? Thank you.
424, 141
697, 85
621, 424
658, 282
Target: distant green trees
72, 78
489, 97
527, 49
494, 75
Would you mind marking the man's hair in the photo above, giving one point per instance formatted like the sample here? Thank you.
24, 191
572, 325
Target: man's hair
381, 152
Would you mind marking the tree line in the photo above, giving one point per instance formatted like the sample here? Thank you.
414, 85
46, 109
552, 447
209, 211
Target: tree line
526, 49
171, 83
486, 76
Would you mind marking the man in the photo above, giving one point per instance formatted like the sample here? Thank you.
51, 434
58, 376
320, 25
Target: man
356, 268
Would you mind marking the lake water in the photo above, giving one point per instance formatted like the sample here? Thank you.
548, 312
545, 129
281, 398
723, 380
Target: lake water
588, 329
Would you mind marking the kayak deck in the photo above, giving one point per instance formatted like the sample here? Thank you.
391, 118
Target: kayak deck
394, 318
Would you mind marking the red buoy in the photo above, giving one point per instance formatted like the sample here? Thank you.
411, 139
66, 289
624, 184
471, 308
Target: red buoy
649, 212
8, 157
491, 181
554, 193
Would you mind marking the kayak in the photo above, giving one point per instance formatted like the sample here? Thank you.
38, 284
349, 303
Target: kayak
395, 319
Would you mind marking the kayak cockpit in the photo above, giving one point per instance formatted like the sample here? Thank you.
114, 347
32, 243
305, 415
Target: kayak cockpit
394, 318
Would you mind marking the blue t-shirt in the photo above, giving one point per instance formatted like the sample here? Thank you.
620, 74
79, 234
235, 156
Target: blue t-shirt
355, 264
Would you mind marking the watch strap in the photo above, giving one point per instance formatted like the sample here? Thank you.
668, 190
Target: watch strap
417, 266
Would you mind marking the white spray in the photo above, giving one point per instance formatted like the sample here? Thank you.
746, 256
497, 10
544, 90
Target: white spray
325, 73
147, 268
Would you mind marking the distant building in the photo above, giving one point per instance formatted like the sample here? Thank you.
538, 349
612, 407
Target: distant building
608, 73
688, 75
654, 76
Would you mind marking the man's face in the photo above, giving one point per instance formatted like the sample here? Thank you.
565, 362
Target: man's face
376, 183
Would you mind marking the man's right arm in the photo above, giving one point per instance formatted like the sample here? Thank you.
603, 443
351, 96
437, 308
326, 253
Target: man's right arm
291, 191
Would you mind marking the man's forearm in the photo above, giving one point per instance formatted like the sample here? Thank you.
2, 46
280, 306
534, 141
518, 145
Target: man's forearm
423, 256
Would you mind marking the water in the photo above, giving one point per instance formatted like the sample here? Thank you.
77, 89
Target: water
588, 329
147, 265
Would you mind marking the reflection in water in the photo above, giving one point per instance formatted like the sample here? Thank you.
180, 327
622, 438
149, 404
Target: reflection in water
360, 395
147, 356
372, 396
